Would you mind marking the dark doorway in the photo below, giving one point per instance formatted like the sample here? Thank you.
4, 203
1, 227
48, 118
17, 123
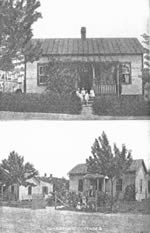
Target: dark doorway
86, 77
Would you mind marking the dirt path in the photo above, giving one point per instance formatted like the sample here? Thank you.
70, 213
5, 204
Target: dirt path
13, 220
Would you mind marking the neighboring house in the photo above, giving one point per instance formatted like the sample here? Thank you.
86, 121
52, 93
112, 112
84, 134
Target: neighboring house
81, 181
108, 65
35, 186
12, 81
148, 184
3, 179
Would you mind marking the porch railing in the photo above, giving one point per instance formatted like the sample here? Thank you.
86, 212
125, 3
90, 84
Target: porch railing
108, 89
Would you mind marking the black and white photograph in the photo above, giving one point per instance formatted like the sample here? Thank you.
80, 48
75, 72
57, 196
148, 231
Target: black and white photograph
75, 176
74, 116
74, 60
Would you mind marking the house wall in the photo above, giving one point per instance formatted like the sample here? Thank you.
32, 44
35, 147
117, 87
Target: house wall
74, 182
135, 88
31, 77
148, 180
141, 175
36, 190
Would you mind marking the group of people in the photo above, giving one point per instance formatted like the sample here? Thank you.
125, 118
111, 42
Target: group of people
84, 95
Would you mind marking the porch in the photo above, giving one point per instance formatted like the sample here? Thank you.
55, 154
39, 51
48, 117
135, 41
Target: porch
102, 77
95, 189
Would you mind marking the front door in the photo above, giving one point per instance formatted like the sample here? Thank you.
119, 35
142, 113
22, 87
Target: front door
85, 73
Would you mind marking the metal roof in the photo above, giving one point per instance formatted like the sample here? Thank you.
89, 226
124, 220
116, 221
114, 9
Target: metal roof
91, 46
82, 168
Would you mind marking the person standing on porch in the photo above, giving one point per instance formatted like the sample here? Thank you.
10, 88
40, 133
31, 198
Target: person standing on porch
86, 98
92, 93
79, 95
83, 92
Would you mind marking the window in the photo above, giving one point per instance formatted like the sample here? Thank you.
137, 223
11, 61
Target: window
45, 190
126, 73
42, 74
149, 186
119, 185
80, 186
29, 190
141, 184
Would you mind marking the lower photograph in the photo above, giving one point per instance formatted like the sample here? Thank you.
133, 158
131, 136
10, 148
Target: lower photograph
75, 176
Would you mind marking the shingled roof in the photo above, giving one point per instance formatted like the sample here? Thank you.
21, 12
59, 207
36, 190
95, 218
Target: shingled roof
79, 169
91, 46
82, 168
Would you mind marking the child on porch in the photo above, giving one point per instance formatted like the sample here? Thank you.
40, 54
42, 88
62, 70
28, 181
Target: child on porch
86, 97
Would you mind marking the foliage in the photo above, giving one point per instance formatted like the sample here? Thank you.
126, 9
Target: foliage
60, 184
62, 77
18, 171
107, 161
146, 42
121, 106
16, 20
46, 102
146, 75
129, 194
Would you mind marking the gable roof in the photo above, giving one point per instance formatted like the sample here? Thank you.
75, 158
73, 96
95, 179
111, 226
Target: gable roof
136, 164
82, 168
4, 174
79, 169
91, 46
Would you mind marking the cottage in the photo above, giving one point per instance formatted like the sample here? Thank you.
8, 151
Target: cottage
35, 186
107, 65
3, 180
81, 181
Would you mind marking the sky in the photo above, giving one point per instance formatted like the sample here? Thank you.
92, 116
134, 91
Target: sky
55, 147
102, 18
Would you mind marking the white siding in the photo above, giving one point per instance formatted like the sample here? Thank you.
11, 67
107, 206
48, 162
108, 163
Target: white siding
135, 88
140, 175
36, 190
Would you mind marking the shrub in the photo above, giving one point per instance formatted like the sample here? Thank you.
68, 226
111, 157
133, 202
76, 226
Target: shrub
75, 105
121, 106
129, 194
46, 102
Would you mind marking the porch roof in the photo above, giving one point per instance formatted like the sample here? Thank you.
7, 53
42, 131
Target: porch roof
90, 46
93, 176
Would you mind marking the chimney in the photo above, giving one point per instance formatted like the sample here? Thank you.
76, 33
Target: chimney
83, 33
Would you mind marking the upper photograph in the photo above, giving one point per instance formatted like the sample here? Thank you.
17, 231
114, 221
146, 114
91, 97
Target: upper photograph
67, 60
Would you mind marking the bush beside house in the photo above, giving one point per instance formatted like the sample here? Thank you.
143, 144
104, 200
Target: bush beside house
121, 106
46, 102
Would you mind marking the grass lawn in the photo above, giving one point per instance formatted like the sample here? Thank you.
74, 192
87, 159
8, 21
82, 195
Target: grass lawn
85, 115
16, 220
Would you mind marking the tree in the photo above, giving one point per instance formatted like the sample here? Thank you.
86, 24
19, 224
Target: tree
107, 161
16, 20
18, 171
62, 77
146, 42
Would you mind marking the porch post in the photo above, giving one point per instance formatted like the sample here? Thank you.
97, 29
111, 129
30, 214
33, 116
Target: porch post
118, 81
104, 185
1, 191
97, 193
93, 73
